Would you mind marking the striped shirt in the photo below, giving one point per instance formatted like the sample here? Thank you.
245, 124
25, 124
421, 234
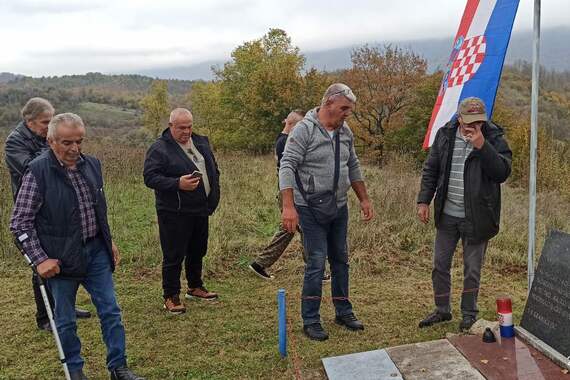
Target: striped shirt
454, 203
29, 202
196, 157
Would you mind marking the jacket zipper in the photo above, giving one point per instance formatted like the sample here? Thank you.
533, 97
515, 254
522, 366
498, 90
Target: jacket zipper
179, 200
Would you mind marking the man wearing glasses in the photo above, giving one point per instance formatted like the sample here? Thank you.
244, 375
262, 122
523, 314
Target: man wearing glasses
318, 167
181, 169
26, 142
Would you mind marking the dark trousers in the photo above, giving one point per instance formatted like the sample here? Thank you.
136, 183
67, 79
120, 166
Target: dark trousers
450, 230
324, 242
41, 313
183, 238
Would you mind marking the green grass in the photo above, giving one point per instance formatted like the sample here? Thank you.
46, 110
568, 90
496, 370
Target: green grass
236, 337
106, 115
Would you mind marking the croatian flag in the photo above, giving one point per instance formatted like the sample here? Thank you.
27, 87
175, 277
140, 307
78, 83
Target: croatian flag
476, 61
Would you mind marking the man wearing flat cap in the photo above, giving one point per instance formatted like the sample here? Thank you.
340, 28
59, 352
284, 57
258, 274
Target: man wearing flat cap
467, 163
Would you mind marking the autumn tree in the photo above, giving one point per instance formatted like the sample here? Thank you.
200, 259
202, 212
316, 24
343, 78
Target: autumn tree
262, 83
384, 81
155, 107
408, 139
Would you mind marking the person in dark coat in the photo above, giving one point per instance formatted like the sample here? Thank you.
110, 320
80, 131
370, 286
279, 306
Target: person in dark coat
181, 169
468, 161
60, 220
26, 142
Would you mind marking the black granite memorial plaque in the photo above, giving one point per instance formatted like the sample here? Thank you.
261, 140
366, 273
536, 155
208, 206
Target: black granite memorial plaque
547, 311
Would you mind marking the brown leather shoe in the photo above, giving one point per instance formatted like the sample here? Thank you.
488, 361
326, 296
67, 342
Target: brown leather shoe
201, 293
173, 304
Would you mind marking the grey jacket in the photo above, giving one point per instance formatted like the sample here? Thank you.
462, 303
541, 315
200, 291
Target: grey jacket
310, 151
22, 146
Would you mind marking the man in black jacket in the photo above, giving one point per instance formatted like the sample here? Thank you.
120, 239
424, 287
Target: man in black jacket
468, 161
26, 142
181, 169
60, 219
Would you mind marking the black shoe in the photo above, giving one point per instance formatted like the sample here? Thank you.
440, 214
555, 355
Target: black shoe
82, 314
77, 375
315, 332
260, 271
124, 373
466, 323
435, 317
44, 326
349, 321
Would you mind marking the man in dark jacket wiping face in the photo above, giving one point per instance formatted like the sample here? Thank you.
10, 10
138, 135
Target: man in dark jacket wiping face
467, 163
182, 170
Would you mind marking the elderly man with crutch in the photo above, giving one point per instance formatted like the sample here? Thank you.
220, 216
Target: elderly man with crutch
60, 220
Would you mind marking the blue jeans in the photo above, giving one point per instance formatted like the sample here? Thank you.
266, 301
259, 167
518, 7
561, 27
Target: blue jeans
322, 242
99, 285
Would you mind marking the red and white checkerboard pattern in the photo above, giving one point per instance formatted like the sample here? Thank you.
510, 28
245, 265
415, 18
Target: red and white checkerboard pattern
469, 58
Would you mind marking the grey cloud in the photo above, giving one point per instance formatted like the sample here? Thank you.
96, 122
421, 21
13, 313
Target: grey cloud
206, 14
123, 53
31, 7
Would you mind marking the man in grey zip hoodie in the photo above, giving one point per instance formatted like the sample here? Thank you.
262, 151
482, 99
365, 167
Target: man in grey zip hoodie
310, 152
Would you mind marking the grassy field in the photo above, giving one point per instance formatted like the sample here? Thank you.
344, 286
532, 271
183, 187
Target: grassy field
236, 337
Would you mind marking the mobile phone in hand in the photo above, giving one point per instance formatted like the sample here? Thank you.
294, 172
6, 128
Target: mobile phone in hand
196, 174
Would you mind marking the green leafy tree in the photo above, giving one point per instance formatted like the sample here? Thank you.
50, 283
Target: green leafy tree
259, 87
205, 100
155, 107
409, 138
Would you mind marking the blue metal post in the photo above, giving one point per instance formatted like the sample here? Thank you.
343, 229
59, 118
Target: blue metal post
282, 323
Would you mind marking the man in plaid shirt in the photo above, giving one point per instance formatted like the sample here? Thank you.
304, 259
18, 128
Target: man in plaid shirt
60, 219
26, 142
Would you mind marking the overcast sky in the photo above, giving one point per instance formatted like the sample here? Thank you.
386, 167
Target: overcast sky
55, 37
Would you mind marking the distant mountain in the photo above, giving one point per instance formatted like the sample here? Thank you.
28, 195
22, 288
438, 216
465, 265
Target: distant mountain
103, 101
554, 52
7, 77
94, 82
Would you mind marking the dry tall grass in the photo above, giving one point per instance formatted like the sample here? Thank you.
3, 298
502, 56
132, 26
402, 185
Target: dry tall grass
236, 337
247, 214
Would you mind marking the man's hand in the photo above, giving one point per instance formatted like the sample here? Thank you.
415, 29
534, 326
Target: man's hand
423, 212
116, 254
188, 183
48, 268
367, 210
290, 219
474, 135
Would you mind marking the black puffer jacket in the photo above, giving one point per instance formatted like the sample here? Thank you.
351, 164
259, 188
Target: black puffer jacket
166, 162
485, 169
22, 146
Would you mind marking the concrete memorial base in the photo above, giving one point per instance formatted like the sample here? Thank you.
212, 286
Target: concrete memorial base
370, 365
464, 357
433, 360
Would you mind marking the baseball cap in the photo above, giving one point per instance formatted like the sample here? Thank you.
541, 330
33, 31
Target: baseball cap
472, 109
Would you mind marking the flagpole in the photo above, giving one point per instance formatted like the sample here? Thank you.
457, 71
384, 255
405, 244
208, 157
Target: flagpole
533, 144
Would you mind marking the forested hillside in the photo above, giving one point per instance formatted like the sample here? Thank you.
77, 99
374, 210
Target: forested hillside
104, 101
